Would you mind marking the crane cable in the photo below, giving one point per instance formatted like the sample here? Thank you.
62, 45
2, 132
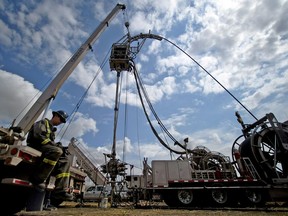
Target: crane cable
125, 121
211, 77
162, 126
152, 109
79, 103
158, 37
139, 85
138, 140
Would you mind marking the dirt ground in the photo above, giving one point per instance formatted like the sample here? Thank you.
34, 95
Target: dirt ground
91, 209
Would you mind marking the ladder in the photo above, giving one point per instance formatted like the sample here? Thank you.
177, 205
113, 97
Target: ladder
84, 162
250, 168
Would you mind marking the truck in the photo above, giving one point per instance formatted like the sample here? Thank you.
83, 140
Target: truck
95, 193
17, 159
257, 173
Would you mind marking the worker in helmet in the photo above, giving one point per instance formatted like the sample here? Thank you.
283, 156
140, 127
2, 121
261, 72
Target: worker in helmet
53, 159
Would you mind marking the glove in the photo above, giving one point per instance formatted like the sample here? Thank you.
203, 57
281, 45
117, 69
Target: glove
59, 144
65, 151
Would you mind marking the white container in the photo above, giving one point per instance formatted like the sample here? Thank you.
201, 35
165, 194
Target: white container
104, 203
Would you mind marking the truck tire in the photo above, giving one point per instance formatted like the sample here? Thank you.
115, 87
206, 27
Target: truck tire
185, 198
252, 198
179, 198
219, 197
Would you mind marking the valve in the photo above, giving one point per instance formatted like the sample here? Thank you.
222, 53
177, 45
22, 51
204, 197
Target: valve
121, 167
104, 168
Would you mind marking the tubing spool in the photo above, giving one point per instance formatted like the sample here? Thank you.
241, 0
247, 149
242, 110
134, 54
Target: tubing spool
266, 152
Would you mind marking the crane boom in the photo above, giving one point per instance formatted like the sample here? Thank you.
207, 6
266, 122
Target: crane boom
51, 91
86, 162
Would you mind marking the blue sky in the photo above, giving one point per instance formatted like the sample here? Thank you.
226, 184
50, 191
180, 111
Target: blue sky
243, 44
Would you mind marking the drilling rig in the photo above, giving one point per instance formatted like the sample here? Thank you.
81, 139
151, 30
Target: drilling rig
258, 172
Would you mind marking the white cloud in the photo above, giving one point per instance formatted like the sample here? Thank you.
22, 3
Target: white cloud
143, 58
169, 11
15, 93
48, 24
105, 96
154, 150
168, 62
139, 23
123, 147
81, 125
242, 43
6, 34
155, 47
233, 55
101, 13
218, 140
191, 86
2, 5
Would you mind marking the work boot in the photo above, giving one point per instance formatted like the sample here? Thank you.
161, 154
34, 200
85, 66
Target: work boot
49, 208
39, 185
62, 195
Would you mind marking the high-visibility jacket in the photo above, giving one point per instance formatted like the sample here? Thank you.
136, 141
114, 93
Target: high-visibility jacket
41, 133
41, 137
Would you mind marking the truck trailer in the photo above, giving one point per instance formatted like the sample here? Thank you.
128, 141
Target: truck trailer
256, 174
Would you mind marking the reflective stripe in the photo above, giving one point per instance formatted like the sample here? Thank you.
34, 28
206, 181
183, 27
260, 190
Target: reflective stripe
62, 175
47, 140
48, 161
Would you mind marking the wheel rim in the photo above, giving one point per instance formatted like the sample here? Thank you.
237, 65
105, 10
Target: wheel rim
253, 196
185, 196
219, 196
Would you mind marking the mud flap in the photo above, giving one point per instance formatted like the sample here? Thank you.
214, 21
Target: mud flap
35, 201
37, 197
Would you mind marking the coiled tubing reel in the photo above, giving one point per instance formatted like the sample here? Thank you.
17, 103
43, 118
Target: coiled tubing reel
265, 143
202, 158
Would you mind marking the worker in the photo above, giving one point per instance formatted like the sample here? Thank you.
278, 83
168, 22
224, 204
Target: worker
53, 159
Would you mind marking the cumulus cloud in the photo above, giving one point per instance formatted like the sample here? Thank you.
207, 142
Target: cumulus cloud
15, 93
5, 37
243, 44
80, 125
41, 26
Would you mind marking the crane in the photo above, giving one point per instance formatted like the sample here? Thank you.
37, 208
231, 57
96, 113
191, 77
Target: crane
51, 91
85, 162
